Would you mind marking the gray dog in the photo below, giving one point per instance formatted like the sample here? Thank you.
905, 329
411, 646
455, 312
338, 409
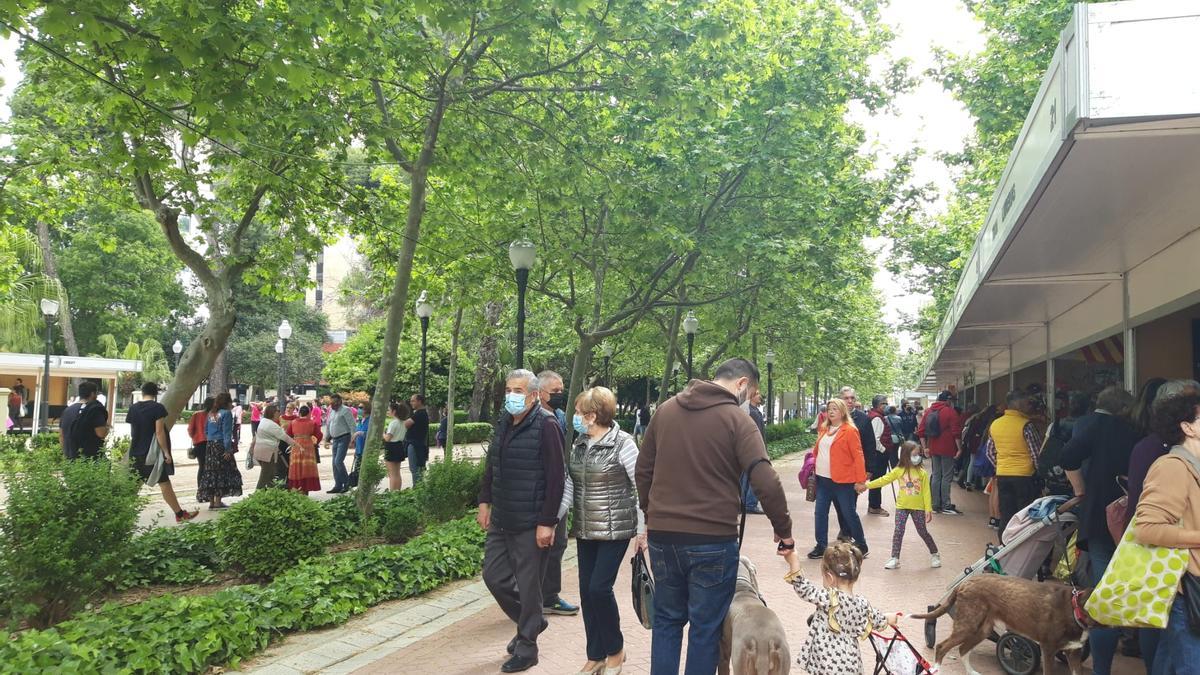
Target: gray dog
753, 639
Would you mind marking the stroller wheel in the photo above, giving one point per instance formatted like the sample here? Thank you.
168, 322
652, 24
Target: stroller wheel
1018, 655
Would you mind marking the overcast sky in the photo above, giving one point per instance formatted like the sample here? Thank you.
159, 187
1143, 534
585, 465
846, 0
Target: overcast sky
928, 117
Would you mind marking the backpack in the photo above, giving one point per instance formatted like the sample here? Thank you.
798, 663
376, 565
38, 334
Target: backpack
896, 429
79, 431
933, 425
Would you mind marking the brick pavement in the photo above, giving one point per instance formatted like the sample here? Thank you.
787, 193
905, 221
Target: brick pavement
470, 637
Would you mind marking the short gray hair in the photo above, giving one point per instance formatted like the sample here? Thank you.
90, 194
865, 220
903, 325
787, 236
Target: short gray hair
1172, 388
546, 376
527, 375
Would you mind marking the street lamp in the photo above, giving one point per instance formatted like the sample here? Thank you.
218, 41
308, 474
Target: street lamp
607, 351
675, 377
690, 324
424, 311
279, 400
49, 308
770, 386
522, 255
177, 348
285, 332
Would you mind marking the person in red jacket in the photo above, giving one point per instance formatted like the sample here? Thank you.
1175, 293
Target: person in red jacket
940, 432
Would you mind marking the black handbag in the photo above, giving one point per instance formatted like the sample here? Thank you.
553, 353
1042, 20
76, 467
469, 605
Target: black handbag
643, 590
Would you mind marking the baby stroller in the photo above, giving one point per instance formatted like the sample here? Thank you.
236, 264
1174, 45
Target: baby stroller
895, 655
1036, 535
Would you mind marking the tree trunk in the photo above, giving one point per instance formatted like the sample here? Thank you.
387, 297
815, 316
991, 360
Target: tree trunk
672, 340
397, 308
450, 382
485, 367
201, 355
50, 267
579, 367
218, 379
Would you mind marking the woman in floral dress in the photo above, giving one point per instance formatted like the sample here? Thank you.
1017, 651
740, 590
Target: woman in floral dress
302, 472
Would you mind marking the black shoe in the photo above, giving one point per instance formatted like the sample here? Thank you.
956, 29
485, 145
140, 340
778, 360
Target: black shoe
863, 549
816, 554
512, 644
336, 491
518, 663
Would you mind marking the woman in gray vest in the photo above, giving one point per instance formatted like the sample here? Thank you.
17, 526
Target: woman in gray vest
600, 489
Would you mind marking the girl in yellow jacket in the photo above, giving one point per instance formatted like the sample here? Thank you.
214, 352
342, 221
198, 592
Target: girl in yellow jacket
914, 499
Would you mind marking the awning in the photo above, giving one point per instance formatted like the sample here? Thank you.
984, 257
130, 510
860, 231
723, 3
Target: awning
1095, 226
33, 366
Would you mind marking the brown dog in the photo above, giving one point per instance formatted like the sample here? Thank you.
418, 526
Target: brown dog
1044, 613
753, 639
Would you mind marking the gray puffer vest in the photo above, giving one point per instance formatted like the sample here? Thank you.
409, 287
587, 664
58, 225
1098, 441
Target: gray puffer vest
518, 476
605, 499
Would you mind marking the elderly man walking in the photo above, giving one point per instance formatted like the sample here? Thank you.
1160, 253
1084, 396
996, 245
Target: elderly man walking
554, 401
689, 471
518, 507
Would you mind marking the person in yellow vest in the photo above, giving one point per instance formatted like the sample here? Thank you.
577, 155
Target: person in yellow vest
1013, 444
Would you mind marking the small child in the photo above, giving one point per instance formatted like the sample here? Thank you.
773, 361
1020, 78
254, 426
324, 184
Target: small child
913, 500
843, 619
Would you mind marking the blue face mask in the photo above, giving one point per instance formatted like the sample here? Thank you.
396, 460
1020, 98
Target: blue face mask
578, 423
514, 403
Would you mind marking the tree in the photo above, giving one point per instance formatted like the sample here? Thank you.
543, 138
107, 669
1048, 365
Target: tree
251, 350
121, 272
218, 123
22, 287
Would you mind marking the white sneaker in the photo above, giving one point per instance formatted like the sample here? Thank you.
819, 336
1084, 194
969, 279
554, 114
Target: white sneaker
892, 564
936, 561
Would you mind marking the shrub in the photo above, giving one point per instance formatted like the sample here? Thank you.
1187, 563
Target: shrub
173, 634
46, 442
11, 443
65, 527
449, 488
171, 555
799, 443
778, 432
345, 518
399, 515
467, 432
272, 530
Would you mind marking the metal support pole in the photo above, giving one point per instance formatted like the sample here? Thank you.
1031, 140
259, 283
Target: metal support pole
522, 283
283, 370
1012, 374
279, 397
1130, 344
691, 339
45, 411
991, 385
1050, 412
770, 393
424, 347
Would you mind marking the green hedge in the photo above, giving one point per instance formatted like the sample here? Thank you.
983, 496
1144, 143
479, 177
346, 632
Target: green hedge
778, 432
801, 442
466, 432
189, 634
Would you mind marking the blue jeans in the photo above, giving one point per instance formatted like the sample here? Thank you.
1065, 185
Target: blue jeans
748, 496
418, 456
1102, 640
1153, 642
341, 445
1182, 645
693, 584
841, 495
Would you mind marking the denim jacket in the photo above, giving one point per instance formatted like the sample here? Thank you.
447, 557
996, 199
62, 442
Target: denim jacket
221, 430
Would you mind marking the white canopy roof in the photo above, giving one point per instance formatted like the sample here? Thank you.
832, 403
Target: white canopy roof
1096, 222
66, 366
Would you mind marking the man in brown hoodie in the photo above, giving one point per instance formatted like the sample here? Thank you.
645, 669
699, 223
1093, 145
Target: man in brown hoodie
689, 471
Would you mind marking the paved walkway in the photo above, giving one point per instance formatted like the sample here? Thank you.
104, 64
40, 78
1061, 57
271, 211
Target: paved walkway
460, 630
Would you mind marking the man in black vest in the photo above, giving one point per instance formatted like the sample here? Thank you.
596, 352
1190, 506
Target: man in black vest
518, 507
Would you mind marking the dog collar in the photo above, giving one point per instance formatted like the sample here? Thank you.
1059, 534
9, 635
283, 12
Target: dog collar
1077, 611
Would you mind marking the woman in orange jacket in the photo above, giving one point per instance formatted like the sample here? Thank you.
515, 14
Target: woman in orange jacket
840, 468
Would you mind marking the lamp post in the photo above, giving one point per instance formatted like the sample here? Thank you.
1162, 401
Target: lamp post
607, 351
690, 324
285, 332
177, 349
424, 311
770, 386
522, 255
49, 310
675, 379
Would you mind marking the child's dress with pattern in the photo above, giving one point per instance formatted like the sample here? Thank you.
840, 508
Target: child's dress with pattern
840, 623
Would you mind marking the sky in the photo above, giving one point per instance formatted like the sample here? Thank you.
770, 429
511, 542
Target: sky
927, 117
